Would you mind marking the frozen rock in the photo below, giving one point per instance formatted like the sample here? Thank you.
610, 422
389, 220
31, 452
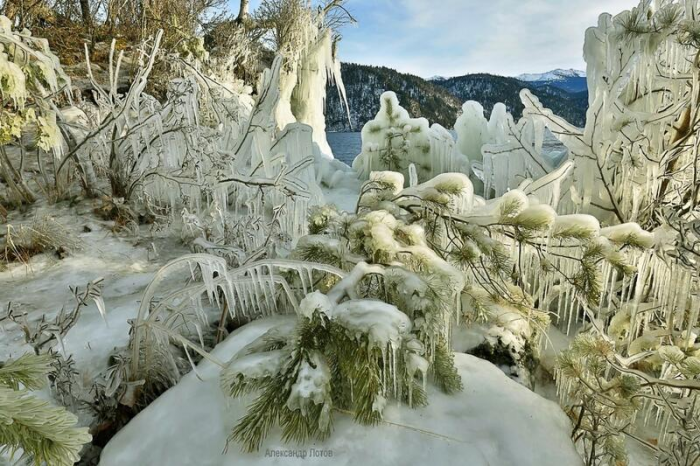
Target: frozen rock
494, 421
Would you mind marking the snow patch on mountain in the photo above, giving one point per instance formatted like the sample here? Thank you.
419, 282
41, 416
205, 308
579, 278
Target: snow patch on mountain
554, 75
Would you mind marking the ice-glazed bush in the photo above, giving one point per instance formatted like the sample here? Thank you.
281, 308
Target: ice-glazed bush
30, 77
31, 81
633, 157
351, 356
505, 155
472, 131
418, 261
393, 141
635, 161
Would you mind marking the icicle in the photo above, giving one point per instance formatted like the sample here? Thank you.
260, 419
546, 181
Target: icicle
412, 176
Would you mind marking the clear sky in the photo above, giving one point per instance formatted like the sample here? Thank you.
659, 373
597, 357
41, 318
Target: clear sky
455, 37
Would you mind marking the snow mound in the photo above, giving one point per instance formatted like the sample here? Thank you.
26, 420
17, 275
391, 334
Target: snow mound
494, 421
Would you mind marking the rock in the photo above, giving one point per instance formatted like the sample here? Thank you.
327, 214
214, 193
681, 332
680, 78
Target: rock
494, 421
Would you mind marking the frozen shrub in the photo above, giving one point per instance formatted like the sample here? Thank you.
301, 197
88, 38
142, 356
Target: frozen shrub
634, 161
393, 141
31, 83
417, 259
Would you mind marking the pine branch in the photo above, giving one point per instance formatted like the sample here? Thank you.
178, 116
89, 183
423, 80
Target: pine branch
46, 433
29, 371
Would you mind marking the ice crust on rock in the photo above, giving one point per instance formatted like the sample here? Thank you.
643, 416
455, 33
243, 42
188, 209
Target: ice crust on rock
383, 323
312, 387
257, 365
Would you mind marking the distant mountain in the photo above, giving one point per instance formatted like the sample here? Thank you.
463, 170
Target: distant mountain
554, 75
365, 84
488, 90
440, 99
569, 80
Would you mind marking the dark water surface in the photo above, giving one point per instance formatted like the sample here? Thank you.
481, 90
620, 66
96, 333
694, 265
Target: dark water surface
346, 146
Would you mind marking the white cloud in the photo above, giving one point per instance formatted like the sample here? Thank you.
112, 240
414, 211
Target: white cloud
452, 37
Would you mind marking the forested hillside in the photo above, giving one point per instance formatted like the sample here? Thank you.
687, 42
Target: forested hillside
439, 100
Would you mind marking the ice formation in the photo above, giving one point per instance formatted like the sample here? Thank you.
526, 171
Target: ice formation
630, 165
472, 131
627, 119
503, 154
452, 189
309, 63
393, 141
252, 290
382, 322
312, 387
211, 149
514, 156
255, 365
29, 73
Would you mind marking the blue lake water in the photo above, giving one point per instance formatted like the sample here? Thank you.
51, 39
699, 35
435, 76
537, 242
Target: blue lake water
346, 146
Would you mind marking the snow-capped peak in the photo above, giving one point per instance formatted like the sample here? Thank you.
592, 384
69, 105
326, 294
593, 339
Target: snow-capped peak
554, 75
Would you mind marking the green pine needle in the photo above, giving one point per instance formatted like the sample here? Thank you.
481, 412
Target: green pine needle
29, 371
45, 433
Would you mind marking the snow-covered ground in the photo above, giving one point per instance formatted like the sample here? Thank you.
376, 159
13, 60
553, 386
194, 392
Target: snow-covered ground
494, 421
42, 286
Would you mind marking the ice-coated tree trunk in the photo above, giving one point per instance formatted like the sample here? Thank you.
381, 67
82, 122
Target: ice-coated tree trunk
243, 12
